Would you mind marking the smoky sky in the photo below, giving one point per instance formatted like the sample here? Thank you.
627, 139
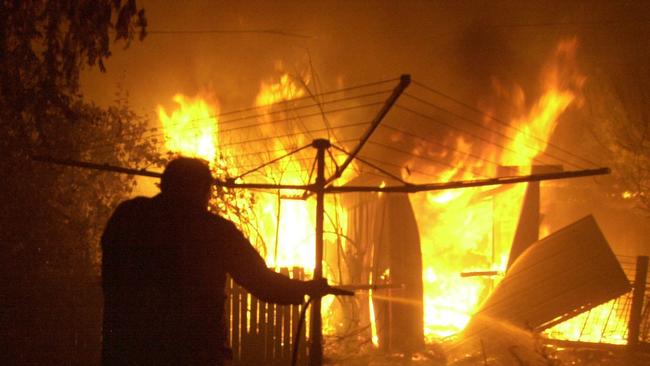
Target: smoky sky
458, 47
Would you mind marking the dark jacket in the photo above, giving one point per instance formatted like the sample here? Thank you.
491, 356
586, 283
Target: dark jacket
163, 270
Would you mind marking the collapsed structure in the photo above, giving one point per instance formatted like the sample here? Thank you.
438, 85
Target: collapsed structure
556, 278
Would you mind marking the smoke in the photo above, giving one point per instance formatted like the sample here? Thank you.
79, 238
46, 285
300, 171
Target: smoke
463, 49
458, 47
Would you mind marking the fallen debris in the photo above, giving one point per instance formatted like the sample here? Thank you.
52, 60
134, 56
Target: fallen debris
558, 277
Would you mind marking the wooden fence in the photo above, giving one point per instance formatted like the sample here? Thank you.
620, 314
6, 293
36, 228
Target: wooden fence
262, 333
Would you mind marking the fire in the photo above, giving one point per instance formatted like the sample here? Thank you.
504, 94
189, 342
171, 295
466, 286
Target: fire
283, 90
536, 127
294, 219
290, 223
296, 234
605, 324
472, 229
191, 129
286, 226
465, 230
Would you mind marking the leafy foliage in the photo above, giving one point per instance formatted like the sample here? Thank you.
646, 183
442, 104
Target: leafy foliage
51, 216
621, 119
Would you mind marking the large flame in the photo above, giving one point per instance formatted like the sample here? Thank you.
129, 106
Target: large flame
472, 229
290, 223
460, 230
293, 242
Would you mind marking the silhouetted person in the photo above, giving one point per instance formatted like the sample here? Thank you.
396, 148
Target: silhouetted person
165, 260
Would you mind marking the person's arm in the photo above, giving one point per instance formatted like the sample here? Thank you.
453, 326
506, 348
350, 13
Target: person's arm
249, 270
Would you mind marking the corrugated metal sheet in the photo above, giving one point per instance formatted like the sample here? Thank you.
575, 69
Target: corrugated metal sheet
558, 277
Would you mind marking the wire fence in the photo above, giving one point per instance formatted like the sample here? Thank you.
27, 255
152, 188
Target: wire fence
609, 322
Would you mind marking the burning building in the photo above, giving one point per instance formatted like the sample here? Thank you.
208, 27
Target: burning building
250, 88
414, 245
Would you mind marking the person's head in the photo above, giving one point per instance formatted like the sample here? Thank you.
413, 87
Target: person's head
187, 181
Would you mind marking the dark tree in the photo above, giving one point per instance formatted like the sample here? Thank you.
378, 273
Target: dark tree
50, 216
619, 95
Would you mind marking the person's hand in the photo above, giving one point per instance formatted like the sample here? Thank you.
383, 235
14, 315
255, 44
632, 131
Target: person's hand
320, 288
317, 288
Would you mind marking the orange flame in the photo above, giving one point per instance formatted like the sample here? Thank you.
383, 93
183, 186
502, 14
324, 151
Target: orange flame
472, 229
465, 230
191, 129
604, 324
295, 222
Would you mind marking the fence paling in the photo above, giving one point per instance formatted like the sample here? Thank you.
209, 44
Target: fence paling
277, 333
298, 273
254, 342
270, 318
242, 321
236, 303
228, 310
286, 326
262, 333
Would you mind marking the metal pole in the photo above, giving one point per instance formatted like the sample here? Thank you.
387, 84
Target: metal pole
413, 188
407, 188
316, 329
634, 325
404, 82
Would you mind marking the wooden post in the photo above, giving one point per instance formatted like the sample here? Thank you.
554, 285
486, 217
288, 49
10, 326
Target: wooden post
302, 352
243, 322
255, 345
316, 329
277, 333
638, 294
295, 313
286, 327
228, 310
270, 319
236, 305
